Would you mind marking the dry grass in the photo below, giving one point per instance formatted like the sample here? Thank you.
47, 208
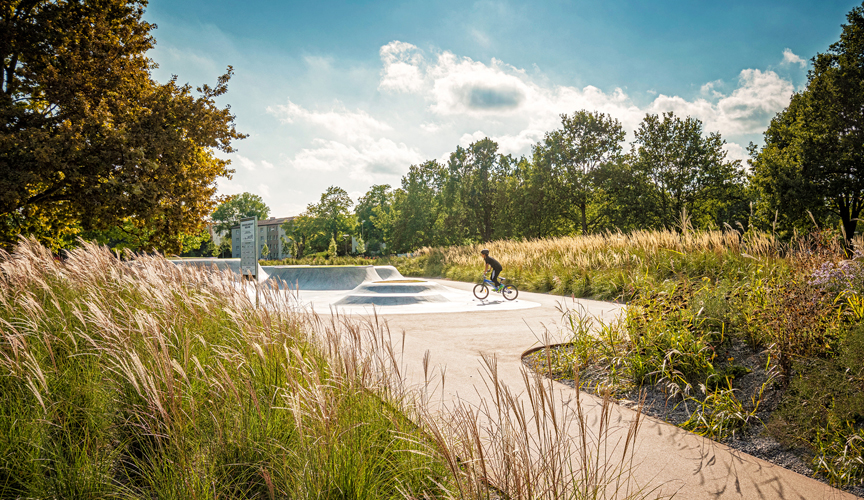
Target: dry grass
136, 378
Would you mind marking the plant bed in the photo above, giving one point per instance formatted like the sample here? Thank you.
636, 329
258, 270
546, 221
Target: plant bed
747, 422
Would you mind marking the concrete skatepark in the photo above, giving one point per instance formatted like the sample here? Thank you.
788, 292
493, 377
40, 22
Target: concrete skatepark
456, 334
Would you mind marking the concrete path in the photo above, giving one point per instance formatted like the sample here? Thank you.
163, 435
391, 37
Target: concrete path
675, 461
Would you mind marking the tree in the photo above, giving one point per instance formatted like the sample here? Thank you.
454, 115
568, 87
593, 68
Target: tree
265, 251
331, 248
472, 191
88, 141
328, 219
230, 211
585, 142
224, 249
813, 157
687, 170
332, 212
372, 212
417, 204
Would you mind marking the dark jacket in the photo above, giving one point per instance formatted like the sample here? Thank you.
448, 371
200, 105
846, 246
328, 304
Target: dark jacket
494, 264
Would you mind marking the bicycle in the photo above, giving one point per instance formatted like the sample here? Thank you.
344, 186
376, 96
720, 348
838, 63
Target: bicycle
481, 290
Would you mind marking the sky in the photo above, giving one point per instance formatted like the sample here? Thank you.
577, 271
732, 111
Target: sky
352, 93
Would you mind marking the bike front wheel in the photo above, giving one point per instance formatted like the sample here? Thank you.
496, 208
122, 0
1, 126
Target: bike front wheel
510, 292
481, 291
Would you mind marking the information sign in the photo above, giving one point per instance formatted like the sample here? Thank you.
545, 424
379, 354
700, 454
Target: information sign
249, 247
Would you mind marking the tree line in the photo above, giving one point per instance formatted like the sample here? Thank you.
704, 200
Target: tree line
578, 179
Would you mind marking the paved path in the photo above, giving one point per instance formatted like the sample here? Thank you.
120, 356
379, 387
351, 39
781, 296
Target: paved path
677, 461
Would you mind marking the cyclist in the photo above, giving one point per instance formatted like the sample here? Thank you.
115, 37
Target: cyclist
496, 268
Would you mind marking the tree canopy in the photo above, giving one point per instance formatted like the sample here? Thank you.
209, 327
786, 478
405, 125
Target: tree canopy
813, 157
89, 141
230, 211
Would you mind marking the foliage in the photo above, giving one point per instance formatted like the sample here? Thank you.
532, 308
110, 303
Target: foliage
576, 181
313, 230
585, 142
153, 380
374, 213
230, 211
693, 299
687, 172
331, 248
812, 152
89, 141
224, 249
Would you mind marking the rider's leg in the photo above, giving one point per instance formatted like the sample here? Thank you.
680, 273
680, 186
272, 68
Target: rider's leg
494, 278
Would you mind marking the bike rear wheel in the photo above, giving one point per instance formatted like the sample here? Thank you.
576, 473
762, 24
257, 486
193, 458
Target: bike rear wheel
509, 292
481, 291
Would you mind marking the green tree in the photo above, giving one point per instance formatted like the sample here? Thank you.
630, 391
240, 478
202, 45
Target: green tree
332, 250
584, 143
304, 230
372, 212
332, 212
230, 211
417, 204
813, 157
265, 251
686, 170
472, 191
224, 249
88, 141
539, 197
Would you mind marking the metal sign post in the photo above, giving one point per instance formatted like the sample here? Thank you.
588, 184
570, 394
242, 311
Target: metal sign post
249, 251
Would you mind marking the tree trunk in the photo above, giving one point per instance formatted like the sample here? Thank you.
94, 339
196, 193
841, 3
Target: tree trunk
584, 219
849, 212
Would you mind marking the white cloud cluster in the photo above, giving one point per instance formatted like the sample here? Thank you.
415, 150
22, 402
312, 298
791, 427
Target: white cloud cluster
747, 110
401, 70
473, 94
350, 125
790, 57
359, 150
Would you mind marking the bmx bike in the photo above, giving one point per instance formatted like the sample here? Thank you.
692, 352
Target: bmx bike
481, 290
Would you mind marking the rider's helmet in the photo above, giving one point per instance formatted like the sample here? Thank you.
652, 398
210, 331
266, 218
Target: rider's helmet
484, 252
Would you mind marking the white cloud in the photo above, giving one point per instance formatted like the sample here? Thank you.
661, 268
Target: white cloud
471, 93
264, 190
467, 138
368, 159
736, 152
461, 85
350, 125
266, 164
246, 163
790, 57
401, 71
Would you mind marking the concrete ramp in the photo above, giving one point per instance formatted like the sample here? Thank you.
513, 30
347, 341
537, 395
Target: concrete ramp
321, 277
388, 273
395, 293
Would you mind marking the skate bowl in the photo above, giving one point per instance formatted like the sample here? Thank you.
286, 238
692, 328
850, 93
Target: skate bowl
395, 293
388, 273
321, 277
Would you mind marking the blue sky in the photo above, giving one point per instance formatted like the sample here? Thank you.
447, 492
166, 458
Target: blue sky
352, 93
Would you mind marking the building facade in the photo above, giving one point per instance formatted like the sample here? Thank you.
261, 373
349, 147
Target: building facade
270, 232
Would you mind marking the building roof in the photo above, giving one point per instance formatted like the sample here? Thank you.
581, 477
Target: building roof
272, 221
